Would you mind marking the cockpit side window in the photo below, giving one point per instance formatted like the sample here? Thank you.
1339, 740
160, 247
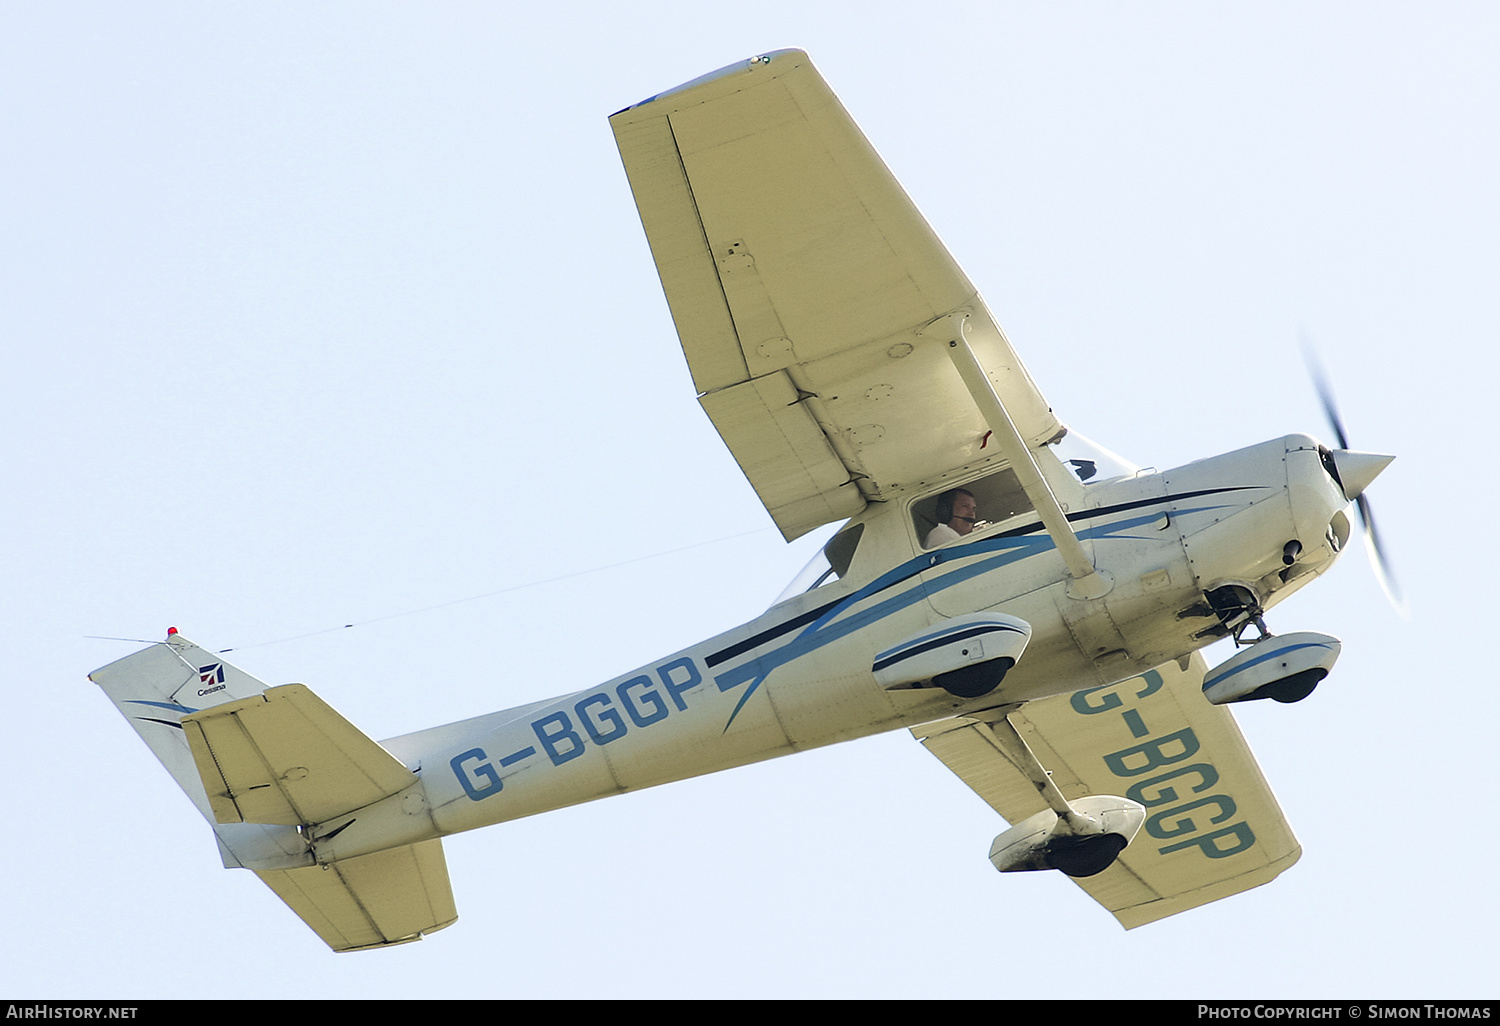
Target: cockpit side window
997, 498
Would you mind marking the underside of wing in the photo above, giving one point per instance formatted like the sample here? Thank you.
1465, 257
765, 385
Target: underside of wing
1212, 826
800, 278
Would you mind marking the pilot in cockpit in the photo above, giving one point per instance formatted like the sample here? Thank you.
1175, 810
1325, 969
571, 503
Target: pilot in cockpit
957, 513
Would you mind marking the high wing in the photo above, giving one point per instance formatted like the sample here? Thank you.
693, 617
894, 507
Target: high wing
800, 278
1212, 826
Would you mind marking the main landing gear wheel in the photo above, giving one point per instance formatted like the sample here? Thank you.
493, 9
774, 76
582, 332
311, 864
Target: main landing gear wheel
1080, 838
975, 681
1083, 842
1085, 856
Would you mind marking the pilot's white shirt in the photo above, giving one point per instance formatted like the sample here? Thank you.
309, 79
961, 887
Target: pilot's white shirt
942, 534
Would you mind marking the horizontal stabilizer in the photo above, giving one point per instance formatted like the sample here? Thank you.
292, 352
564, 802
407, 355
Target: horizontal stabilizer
389, 897
285, 756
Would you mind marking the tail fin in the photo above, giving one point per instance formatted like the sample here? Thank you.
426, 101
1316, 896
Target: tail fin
156, 687
231, 762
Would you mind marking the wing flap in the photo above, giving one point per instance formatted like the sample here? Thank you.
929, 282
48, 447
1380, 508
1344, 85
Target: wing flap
285, 756
1212, 828
783, 452
388, 897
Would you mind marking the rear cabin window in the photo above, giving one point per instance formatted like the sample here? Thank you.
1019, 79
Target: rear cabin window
831, 562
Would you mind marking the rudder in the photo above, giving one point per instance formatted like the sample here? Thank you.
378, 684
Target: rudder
157, 686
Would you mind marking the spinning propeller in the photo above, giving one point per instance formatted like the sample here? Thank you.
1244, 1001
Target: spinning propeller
1354, 472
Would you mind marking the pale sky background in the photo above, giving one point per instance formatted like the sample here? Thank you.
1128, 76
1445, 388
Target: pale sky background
316, 314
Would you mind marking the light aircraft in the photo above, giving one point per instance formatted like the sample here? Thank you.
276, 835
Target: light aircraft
1031, 610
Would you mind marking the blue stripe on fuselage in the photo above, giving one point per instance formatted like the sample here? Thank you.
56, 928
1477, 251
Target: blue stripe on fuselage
1008, 548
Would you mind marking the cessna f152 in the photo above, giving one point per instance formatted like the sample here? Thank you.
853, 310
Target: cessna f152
1033, 619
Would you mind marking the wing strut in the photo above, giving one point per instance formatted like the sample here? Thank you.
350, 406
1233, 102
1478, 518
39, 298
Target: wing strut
1009, 742
1087, 583
1081, 838
999, 731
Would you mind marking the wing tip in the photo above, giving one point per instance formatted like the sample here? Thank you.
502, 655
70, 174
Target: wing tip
1164, 907
750, 64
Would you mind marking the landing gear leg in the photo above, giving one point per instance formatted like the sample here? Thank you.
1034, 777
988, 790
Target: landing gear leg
1079, 838
1238, 609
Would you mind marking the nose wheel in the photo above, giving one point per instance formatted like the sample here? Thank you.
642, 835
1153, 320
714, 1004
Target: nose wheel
1296, 687
1284, 668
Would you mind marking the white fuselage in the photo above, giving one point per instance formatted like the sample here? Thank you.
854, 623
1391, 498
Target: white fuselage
800, 675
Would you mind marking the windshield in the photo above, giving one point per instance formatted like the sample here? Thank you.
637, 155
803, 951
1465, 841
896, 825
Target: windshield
815, 574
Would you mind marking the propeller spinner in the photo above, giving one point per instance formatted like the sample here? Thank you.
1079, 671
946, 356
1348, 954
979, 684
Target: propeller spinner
1354, 471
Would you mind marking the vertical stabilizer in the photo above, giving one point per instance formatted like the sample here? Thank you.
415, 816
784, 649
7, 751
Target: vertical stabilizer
277, 760
157, 686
